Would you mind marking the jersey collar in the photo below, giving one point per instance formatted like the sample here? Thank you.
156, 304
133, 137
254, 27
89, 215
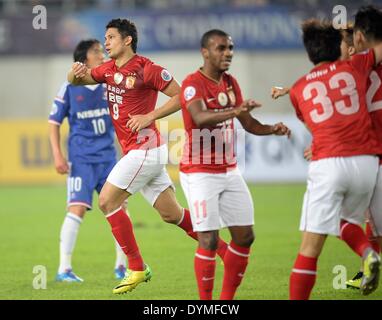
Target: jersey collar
209, 78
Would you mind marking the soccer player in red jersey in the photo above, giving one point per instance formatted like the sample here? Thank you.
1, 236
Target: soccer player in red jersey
368, 34
331, 101
133, 83
347, 229
91, 154
217, 194
349, 232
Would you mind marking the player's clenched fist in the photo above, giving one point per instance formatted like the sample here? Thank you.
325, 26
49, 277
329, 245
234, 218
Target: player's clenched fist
308, 153
280, 129
79, 69
277, 92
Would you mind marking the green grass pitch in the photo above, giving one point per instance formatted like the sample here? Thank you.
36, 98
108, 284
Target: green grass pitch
31, 217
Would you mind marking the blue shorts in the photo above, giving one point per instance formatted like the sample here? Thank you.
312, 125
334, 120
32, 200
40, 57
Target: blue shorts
83, 179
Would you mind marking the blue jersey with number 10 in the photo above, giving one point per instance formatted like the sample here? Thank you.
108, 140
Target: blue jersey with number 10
91, 135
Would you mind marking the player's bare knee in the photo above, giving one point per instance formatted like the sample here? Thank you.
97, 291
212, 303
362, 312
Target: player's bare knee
169, 212
249, 240
168, 217
244, 239
310, 250
208, 240
79, 211
104, 204
208, 244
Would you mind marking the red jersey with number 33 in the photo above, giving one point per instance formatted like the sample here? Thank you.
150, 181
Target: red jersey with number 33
133, 89
331, 101
209, 149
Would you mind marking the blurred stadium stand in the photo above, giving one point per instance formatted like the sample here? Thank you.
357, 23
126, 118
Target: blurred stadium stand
68, 6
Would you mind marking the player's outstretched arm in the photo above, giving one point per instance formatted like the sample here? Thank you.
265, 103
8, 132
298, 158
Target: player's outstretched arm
141, 121
277, 92
60, 162
80, 75
203, 117
254, 126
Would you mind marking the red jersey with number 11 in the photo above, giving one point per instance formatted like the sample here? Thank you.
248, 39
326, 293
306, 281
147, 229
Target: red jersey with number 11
209, 149
331, 101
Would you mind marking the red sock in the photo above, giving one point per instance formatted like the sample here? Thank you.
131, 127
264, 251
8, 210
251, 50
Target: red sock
235, 263
354, 236
204, 264
186, 225
222, 248
122, 229
372, 240
302, 278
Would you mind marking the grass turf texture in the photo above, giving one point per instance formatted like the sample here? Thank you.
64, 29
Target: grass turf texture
31, 218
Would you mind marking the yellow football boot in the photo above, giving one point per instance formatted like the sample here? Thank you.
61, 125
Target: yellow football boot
355, 283
132, 279
371, 270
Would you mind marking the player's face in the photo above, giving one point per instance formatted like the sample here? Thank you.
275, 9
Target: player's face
114, 44
219, 53
95, 56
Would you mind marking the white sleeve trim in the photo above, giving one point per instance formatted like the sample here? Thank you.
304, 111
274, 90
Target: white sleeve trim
54, 122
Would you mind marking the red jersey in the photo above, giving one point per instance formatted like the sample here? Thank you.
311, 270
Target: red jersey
209, 149
374, 100
133, 89
331, 101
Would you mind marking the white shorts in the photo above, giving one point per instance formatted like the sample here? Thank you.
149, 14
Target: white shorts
217, 200
338, 188
375, 211
142, 170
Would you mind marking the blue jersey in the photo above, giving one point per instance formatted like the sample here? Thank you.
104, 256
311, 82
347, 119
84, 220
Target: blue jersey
91, 135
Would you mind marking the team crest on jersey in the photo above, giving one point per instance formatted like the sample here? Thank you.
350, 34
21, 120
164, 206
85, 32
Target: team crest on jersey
223, 99
231, 96
189, 93
118, 77
166, 76
130, 80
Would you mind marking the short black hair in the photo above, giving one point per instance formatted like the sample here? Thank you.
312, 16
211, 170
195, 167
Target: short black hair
80, 52
125, 28
347, 35
321, 40
209, 34
369, 21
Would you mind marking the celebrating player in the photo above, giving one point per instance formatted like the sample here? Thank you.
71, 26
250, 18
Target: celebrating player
133, 83
368, 34
330, 99
217, 194
91, 153
350, 231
